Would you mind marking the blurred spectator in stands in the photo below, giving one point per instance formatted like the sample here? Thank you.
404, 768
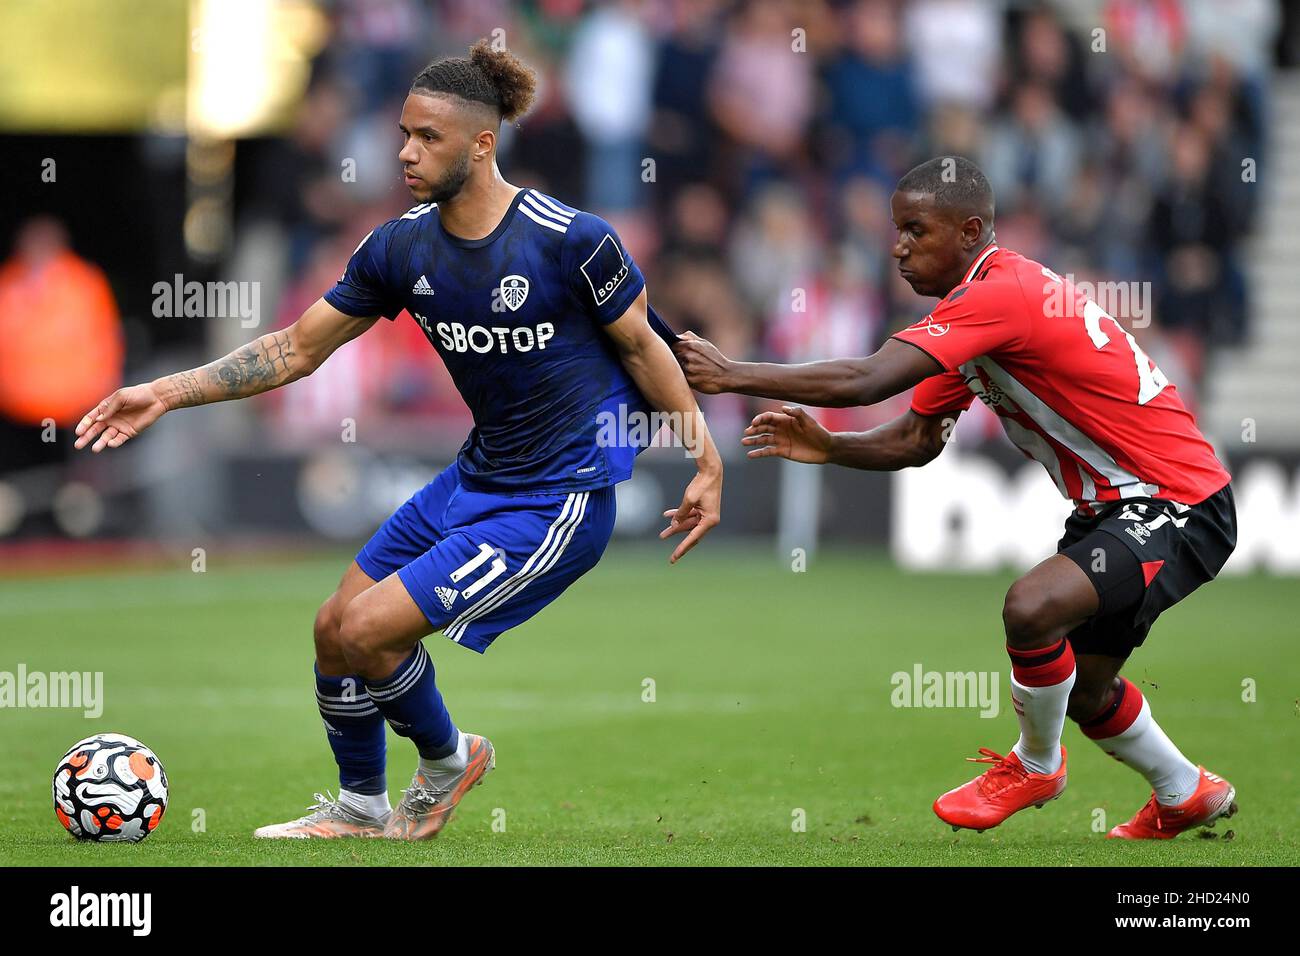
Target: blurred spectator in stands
956, 45
696, 291
698, 225
872, 113
835, 312
60, 344
375, 50
545, 150
1237, 39
299, 182
773, 247
682, 135
1082, 226
608, 78
1128, 147
691, 287
865, 229
1191, 230
954, 130
1045, 53
761, 94
458, 23
367, 148
849, 305
1213, 110
1032, 156
1148, 37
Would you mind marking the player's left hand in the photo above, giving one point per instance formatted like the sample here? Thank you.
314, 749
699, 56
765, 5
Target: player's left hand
791, 433
700, 511
705, 367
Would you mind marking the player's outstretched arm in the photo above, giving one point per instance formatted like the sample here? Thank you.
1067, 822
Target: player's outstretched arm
835, 383
792, 433
275, 359
650, 362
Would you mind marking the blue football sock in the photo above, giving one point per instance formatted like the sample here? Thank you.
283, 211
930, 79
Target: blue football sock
356, 732
409, 700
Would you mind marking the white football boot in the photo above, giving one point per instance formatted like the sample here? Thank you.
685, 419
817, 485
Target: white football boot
328, 820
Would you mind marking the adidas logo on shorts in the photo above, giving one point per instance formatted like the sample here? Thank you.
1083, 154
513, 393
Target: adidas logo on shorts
446, 596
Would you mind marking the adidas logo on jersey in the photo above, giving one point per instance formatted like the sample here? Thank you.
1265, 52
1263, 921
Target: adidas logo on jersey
422, 287
446, 596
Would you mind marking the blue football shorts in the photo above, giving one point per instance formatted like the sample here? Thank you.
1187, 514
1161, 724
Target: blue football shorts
478, 564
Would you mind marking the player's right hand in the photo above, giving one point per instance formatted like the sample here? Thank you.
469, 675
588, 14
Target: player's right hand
703, 365
121, 416
790, 433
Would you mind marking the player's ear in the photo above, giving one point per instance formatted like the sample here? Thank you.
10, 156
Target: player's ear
484, 143
971, 230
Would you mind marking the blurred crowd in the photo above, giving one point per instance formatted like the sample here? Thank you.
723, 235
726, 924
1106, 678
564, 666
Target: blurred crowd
746, 153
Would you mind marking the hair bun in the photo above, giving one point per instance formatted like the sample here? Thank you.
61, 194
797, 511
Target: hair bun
515, 84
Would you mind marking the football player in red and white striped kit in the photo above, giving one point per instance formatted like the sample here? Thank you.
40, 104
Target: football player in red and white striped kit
1154, 516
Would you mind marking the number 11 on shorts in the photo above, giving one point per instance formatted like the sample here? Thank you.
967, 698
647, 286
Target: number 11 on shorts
485, 551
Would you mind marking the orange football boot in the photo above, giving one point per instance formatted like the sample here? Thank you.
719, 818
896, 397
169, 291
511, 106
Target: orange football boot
428, 803
1214, 798
998, 792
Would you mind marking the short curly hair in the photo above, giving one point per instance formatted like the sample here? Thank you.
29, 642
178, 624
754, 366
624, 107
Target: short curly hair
495, 78
955, 182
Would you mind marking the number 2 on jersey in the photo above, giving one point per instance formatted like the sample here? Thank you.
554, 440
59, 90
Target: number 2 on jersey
1151, 381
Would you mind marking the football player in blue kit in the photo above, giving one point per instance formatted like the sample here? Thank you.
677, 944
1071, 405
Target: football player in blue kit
541, 318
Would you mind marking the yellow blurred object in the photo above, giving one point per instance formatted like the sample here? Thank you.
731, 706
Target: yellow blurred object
249, 64
221, 68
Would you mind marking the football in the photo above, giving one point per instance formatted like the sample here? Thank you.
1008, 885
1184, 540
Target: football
110, 788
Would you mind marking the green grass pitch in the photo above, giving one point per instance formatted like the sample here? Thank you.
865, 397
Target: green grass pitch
772, 696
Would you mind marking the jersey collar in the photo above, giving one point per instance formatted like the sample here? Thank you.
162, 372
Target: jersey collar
492, 236
979, 261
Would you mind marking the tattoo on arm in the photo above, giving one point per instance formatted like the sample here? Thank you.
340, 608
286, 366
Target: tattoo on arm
256, 367
184, 391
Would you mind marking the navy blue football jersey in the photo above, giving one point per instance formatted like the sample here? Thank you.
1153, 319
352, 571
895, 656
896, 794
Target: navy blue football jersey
517, 317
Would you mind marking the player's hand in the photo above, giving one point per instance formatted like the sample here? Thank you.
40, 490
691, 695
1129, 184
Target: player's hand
790, 433
700, 511
121, 416
706, 368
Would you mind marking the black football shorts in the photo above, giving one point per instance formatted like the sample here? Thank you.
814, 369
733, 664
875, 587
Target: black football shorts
1144, 555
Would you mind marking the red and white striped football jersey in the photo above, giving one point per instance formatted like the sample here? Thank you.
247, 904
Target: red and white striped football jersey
1070, 385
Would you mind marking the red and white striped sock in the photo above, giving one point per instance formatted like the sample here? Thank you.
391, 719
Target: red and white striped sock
1041, 681
1125, 729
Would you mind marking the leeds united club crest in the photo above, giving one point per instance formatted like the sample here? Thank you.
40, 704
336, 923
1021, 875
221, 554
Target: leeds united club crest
513, 291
